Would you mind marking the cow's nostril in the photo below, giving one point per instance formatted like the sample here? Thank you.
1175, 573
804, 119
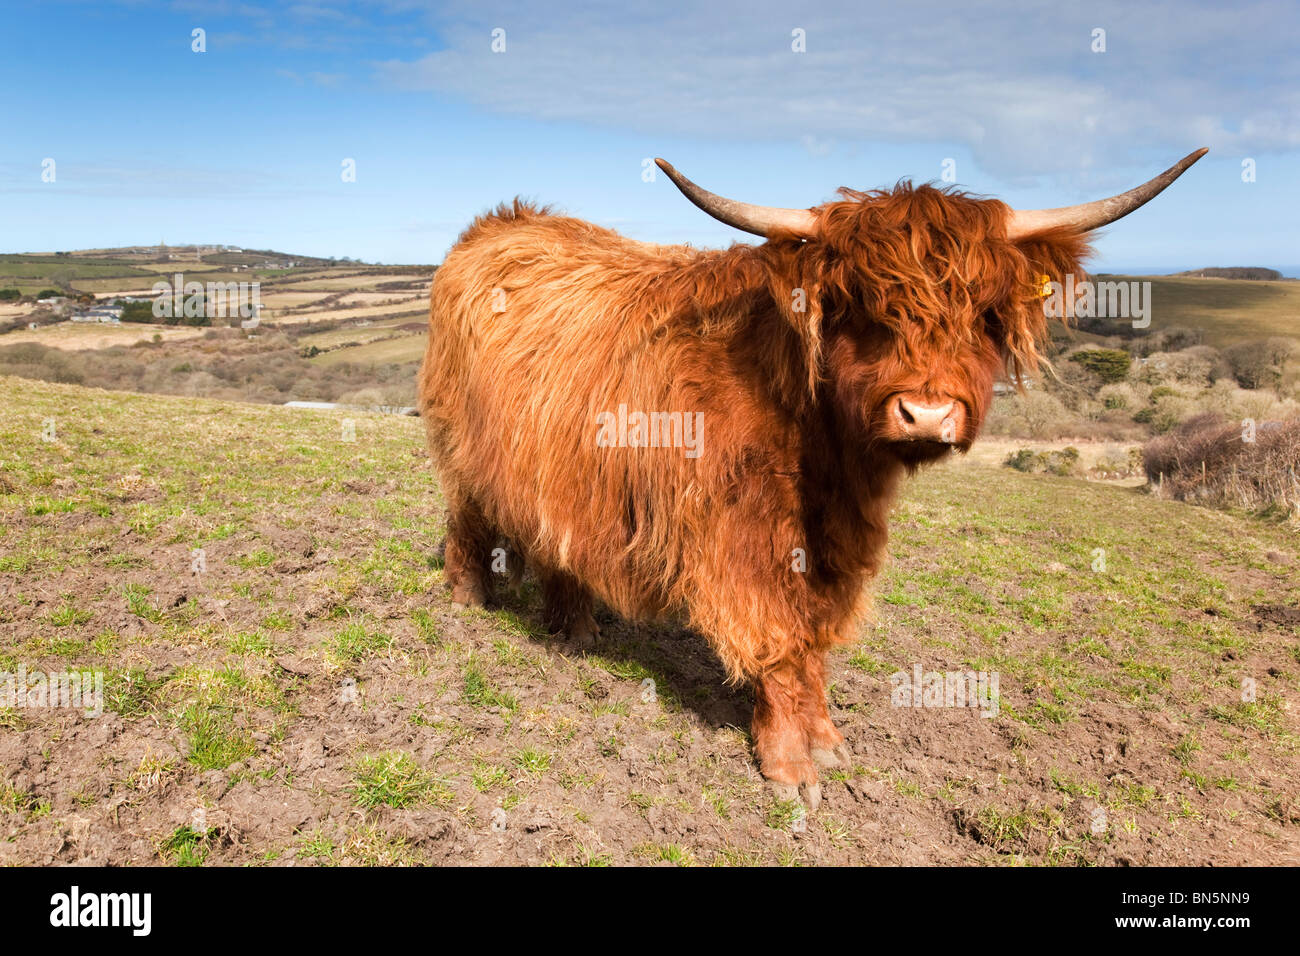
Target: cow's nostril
927, 420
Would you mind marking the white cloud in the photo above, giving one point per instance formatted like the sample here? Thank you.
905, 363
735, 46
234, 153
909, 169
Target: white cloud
1016, 83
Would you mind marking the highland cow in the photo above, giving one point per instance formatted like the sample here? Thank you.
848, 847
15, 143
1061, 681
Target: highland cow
860, 341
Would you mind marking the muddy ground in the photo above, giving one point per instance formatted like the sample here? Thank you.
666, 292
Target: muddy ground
307, 695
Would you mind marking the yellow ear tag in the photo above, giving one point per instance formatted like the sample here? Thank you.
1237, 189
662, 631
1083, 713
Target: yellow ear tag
1044, 286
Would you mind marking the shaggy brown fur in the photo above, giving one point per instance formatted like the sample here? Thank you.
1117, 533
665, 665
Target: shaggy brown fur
765, 541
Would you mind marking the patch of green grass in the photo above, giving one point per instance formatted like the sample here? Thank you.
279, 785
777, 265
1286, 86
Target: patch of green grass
66, 615
717, 799
426, 626
1264, 715
130, 692
355, 642
137, 602
480, 692
215, 741
584, 856
368, 845
394, 779
249, 642
278, 621
105, 642
782, 814
13, 800
487, 777
317, 846
532, 761
868, 663
1006, 831
665, 853
220, 709
258, 558
508, 655
186, 847
624, 670
1186, 748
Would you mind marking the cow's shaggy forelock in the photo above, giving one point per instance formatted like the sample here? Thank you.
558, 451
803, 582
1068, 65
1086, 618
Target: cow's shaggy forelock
934, 266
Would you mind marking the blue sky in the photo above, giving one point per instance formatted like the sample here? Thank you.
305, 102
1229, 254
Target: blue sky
244, 143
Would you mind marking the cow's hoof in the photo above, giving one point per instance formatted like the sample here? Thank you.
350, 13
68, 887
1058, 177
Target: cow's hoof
463, 597
785, 792
585, 634
832, 759
812, 795
808, 793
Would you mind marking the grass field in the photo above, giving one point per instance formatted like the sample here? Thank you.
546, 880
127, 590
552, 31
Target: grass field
352, 334
407, 309
351, 282
309, 695
400, 348
1228, 311
78, 336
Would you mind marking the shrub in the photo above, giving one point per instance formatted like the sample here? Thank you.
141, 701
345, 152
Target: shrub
1118, 465
1110, 365
1207, 459
138, 312
10, 295
1064, 462
1173, 339
1259, 364
1023, 460
31, 360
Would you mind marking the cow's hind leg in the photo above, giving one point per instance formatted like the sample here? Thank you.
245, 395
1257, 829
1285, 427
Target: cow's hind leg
567, 607
468, 553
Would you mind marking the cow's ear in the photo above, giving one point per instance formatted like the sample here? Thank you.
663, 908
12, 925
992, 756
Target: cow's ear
1037, 271
796, 291
1054, 254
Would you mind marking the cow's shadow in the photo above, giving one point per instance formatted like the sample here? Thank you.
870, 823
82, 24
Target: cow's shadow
677, 659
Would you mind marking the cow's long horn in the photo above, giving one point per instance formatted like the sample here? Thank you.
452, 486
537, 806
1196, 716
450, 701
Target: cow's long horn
760, 220
1094, 215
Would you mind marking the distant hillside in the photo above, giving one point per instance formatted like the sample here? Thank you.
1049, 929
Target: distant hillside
1233, 272
1227, 311
163, 251
136, 268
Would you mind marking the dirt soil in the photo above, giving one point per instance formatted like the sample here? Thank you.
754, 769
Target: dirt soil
309, 696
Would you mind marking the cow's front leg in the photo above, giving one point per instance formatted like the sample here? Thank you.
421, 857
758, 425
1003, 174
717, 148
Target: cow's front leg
780, 734
466, 557
826, 744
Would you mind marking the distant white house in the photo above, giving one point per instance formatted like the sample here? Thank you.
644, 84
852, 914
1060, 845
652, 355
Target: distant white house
103, 314
1009, 388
